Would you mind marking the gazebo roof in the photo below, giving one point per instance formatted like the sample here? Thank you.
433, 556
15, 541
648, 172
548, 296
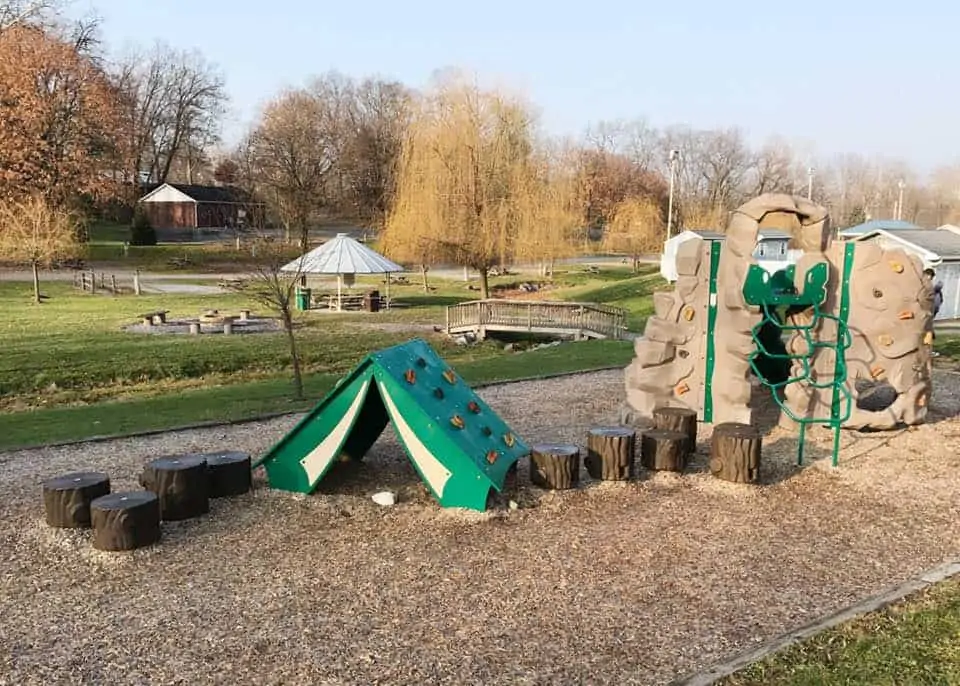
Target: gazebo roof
342, 255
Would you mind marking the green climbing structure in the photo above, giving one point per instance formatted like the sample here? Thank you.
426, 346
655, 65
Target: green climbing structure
778, 292
458, 445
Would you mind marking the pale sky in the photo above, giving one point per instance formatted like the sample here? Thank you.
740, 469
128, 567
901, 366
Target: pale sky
844, 76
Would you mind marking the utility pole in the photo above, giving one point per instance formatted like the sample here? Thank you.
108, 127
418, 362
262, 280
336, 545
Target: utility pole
810, 171
901, 185
674, 157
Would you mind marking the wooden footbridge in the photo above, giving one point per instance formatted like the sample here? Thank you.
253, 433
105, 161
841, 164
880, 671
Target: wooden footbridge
561, 319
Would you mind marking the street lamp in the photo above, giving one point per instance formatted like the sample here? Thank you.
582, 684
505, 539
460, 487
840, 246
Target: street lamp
901, 184
674, 158
810, 171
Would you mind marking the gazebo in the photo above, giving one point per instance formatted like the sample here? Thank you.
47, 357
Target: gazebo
346, 258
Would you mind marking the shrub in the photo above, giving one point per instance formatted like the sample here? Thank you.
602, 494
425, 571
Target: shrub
141, 232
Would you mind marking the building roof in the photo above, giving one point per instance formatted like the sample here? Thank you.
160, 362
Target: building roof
763, 234
205, 194
342, 255
879, 225
945, 244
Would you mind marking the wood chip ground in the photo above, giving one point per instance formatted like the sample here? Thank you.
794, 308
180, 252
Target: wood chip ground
614, 583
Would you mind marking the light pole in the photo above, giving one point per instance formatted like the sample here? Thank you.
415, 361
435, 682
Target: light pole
810, 171
674, 157
901, 185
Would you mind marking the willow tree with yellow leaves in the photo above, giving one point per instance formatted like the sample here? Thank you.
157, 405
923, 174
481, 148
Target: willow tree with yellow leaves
636, 229
471, 189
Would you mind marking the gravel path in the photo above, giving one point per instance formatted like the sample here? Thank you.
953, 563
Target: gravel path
631, 583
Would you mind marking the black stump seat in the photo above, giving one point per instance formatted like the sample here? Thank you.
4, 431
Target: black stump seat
125, 521
229, 474
67, 498
180, 482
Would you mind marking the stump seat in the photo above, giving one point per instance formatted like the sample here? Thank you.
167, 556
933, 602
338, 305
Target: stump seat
555, 466
181, 484
610, 453
67, 498
229, 473
125, 520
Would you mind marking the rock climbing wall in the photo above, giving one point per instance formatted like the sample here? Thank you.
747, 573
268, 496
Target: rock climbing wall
669, 362
888, 363
889, 322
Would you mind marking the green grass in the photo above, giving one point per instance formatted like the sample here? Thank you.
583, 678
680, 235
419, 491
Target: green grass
916, 642
69, 370
245, 400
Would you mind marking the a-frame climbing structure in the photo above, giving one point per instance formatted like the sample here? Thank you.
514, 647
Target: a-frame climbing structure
459, 446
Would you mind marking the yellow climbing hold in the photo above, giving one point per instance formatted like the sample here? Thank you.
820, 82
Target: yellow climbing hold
885, 340
877, 372
688, 313
906, 314
928, 338
922, 401
896, 266
681, 388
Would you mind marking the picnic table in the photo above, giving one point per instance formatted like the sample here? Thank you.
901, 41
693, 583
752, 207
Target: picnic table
158, 317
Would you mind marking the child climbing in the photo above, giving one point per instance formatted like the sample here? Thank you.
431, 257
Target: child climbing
937, 299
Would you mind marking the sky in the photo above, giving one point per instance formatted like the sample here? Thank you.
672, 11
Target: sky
876, 78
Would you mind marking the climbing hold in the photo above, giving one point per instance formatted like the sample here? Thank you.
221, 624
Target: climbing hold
448, 375
438, 393
421, 362
877, 372
473, 407
410, 376
921, 401
928, 338
877, 293
688, 313
906, 314
492, 456
896, 266
457, 421
486, 431
509, 440
885, 340
681, 388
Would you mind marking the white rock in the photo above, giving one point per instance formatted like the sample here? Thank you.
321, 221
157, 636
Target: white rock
385, 498
514, 505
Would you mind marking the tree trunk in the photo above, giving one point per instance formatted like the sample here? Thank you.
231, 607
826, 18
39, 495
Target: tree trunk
423, 278
678, 419
67, 498
36, 283
662, 450
294, 355
735, 453
484, 283
125, 521
610, 453
180, 483
555, 466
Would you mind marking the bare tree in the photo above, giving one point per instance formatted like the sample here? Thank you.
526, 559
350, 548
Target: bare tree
20, 12
636, 229
35, 233
275, 288
173, 104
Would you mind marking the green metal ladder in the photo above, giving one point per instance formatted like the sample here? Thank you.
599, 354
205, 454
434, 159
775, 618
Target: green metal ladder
765, 291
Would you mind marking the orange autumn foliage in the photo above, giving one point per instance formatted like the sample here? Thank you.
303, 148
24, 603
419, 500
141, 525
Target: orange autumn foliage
58, 118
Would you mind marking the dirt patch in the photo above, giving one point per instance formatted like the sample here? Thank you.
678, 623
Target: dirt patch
617, 583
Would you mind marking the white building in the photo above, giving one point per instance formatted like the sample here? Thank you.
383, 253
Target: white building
772, 253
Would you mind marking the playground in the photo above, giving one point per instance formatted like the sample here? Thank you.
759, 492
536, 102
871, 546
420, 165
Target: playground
634, 582
780, 448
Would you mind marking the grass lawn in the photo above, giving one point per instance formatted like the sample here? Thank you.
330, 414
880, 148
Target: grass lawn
68, 370
916, 641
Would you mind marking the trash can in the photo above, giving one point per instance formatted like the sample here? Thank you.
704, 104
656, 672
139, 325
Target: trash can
303, 299
371, 301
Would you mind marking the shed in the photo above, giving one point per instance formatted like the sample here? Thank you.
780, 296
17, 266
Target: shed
183, 206
936, 248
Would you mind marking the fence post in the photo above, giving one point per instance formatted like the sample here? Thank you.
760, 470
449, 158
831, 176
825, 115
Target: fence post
136, 281
93, 282
113, 283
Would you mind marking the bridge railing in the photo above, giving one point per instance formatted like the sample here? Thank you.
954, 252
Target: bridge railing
534, 315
